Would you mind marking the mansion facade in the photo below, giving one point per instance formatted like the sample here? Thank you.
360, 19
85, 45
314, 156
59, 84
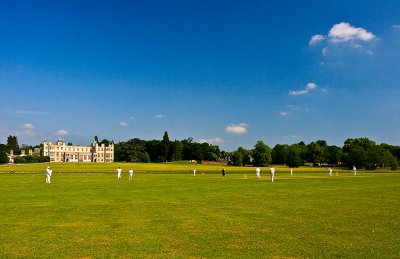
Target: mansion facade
95, 153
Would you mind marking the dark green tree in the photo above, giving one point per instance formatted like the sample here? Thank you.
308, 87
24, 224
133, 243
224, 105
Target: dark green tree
165, 145
294, 156
12, 144
176, 151
3, 154
261, 154
279, 154
335, 155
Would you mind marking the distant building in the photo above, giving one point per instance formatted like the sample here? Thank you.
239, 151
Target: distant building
60, 152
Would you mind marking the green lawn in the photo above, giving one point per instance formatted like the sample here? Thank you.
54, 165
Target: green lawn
164, 214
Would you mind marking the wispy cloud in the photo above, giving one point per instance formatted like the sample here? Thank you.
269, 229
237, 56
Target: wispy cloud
241, 128
29, 112
283, 113
123, 124
212, 141
159, 116
292, 137
396, 26
309, 87
26, 130
61, 132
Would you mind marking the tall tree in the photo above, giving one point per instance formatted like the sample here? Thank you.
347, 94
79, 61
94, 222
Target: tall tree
176, 151
294, 155
12, 144
3, 154
261, 154
165, 145
279, 154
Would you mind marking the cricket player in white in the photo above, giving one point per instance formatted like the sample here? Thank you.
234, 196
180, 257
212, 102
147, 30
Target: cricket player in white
354, 170
48, 174
119, 170
291, 171
194, 172
272, 170
130, 174
330, 171
258, 173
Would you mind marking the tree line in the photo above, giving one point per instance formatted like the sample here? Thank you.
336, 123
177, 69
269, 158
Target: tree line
138, 150
359, 152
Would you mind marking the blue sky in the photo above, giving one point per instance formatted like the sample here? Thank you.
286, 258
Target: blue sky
227, 72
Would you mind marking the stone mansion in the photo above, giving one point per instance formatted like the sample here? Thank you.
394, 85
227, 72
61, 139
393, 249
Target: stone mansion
60, 152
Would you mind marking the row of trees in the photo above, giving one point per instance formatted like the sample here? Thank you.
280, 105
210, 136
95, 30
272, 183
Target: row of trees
12, 144
137, 150
360, 152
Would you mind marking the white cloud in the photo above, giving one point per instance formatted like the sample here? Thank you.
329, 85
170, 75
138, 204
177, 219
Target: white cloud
28, 126
27, 130
123, 124
309, 87
325, 51
213, 141
343, 32
283, 113
61, 132
237, 129
396, 26
159, 116
316, 38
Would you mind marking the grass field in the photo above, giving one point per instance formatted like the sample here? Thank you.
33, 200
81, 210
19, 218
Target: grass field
167, 212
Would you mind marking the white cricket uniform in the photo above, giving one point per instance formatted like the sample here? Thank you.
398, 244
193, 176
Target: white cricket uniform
119, 170
330, 171
130, 174
48, 175
354, 170
272, 170
194, 172
258, 173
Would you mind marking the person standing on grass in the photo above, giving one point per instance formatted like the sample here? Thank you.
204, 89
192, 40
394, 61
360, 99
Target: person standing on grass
194, 172
119, 171
48, 174
354, 170
258, 173
272, 171
130, 174
291, 171
330, 171
223, 173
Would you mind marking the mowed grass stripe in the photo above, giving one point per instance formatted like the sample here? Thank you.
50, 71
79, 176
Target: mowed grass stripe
179, 215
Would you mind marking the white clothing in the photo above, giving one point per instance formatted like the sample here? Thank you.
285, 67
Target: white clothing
119, 170
258, 173
48, 175
330, 171
130, 174
291, 171
272, 170
194, 172
354, 170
